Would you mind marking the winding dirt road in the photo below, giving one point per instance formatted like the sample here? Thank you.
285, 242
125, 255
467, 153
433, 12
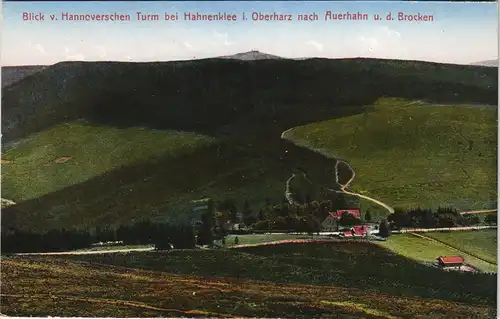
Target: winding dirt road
342, 187
346, 185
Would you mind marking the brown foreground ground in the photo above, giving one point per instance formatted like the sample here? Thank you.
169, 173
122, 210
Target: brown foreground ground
42, 286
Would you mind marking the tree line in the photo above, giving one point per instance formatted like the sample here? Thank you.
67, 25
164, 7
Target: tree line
162, 235
442, 217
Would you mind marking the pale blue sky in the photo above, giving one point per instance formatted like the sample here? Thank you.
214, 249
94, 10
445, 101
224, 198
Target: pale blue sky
461, 32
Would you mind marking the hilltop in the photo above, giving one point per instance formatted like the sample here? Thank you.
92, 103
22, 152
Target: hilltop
113, 142
251, 56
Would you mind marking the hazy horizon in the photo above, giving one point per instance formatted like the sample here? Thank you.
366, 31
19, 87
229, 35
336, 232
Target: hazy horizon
461, 33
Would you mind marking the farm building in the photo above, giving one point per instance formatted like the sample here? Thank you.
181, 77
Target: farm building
356, 231
360, 230
347, 234
338, 214
450, 261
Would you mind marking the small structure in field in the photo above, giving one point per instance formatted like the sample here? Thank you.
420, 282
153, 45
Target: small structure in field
450, 262
63, 159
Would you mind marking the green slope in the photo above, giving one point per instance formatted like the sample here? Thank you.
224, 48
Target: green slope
411, 154
33, 169
180, 168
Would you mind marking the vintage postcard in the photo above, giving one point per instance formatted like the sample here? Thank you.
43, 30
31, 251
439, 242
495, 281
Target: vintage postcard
249, 159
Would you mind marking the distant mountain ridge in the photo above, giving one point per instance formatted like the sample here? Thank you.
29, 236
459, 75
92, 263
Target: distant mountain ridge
251, 55
13, 74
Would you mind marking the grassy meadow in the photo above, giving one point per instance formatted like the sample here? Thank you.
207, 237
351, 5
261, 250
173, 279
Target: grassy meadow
480, 243
414, 154
427, 251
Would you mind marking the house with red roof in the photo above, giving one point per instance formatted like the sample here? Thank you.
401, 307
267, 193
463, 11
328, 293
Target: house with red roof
360, 230
450, 261
357, 231
347, 233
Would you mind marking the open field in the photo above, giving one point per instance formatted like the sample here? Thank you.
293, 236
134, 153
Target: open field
480, 243
426, 251
41, 286
412, 154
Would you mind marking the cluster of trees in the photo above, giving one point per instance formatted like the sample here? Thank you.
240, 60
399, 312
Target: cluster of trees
228, 211
162, 235
294, 217
14, 241
441, 217
491, 219
306, 217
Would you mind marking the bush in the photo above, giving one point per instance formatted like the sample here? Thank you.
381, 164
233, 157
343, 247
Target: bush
383, 229
349, 220
491, 219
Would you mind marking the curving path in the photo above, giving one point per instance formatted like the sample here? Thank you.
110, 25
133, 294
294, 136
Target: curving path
342, 187
346, 185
